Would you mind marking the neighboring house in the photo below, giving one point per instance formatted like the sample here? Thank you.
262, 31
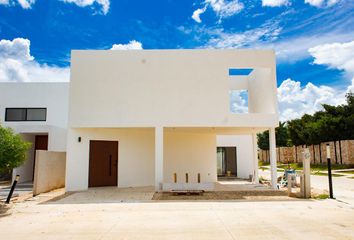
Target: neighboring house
39, 112
142, 118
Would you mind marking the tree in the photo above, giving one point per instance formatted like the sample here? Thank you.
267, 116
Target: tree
281, 135
13, 149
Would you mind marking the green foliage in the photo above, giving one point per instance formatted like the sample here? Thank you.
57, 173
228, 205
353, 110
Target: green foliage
281, 134
333, 123
13, 149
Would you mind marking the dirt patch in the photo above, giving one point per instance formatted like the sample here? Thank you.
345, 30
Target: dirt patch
224, 195
5, 209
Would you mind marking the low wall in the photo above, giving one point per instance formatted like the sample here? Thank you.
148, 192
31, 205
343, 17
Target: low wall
342, 152
49, 172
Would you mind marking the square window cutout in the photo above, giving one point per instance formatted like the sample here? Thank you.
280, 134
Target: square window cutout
239, 101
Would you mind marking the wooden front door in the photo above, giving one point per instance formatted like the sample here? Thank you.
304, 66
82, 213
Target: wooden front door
103, 164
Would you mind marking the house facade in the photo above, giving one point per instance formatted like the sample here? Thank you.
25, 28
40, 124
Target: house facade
152, 117
149, 118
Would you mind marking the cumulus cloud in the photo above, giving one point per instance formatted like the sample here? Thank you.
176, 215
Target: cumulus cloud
25, 4
222, 8
104, 4
274, 3
295, 100
321, 3
132, 45
337, 56
17, 64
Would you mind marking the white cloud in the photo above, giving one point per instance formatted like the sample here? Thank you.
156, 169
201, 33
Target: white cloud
321, 3
25, 4
104, 4
238, 101
222, 8
197, 13
274, 3
132, 45
336, 55
17, 64
295, 100
268, 32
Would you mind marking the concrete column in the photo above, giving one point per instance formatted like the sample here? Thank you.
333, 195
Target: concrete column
255, 158
158, 158
273, 158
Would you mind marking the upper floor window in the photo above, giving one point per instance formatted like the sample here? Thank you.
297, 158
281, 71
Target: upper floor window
25, 114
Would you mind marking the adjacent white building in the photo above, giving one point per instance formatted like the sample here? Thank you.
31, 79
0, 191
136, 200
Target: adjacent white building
39, 112
153, 117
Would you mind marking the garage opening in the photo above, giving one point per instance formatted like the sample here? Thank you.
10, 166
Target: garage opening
103, 164
227, 162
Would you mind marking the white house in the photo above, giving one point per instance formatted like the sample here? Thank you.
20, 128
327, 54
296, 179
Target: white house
39, 112
151, 117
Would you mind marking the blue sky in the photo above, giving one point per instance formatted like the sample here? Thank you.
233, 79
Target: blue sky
307, 36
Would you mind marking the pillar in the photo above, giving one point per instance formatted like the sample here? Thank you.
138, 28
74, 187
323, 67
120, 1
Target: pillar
255, 158
273, 158
158, 158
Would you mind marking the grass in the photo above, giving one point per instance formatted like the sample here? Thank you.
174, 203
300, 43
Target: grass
321, 196
349, 172
351, 177
326, 174
260, 163
317, 167
263, 168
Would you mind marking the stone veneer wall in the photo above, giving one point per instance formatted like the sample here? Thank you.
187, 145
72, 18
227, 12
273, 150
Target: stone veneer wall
293, 154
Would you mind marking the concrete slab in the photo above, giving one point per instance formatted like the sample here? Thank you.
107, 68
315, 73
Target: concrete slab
109, 195
310, 219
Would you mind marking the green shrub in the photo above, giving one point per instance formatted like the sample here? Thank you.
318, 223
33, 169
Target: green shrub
13, 149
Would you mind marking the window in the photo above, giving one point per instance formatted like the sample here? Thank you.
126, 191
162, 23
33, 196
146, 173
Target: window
25, 114
239, 101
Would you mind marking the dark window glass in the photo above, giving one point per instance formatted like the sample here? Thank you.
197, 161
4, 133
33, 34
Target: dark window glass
36, 114
15, 114
25, 114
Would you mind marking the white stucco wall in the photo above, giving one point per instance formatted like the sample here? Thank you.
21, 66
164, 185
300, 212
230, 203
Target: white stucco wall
54, 97
190, 153
136, 156
169, 88
244, 145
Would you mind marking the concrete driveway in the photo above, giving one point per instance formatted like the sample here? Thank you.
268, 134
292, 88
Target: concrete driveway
72, 218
